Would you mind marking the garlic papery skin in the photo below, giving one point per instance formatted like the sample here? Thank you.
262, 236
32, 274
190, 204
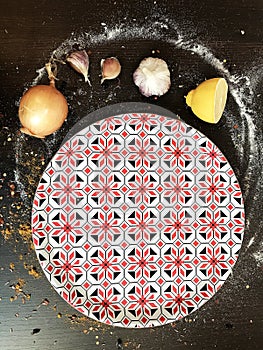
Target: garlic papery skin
152, 77
110, 68
79, 60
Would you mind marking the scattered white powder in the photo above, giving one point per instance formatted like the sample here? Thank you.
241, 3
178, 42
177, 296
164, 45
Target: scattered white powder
18, 177
252, 240
247, 141
258, 255
41, 73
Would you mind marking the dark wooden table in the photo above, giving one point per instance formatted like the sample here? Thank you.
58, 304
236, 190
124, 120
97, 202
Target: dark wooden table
32, 314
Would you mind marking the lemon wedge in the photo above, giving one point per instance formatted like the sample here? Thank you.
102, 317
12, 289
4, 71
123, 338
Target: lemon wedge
208, 100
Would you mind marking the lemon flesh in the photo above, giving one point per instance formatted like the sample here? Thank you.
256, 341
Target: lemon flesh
208, 100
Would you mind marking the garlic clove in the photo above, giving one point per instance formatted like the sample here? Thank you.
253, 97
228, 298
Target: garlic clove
79, 60
110, 68
152, 77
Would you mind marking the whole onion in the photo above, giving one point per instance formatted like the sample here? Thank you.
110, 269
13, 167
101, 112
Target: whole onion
42, 109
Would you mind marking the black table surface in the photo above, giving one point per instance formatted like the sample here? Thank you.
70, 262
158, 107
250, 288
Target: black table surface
229, 35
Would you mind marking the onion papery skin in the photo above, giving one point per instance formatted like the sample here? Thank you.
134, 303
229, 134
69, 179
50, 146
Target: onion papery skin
42, 110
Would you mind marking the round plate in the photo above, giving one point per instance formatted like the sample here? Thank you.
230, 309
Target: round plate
138, 220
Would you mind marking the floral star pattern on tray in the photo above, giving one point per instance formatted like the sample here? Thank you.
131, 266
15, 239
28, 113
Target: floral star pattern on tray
138, 220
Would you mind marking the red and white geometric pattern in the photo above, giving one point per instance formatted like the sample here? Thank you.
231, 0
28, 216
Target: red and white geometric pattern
138, 220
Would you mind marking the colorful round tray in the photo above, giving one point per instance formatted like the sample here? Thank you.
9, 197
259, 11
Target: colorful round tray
138, 220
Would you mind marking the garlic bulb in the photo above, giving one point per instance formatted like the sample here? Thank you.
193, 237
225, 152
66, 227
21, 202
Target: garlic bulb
79, 60
152, 77
110, 68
